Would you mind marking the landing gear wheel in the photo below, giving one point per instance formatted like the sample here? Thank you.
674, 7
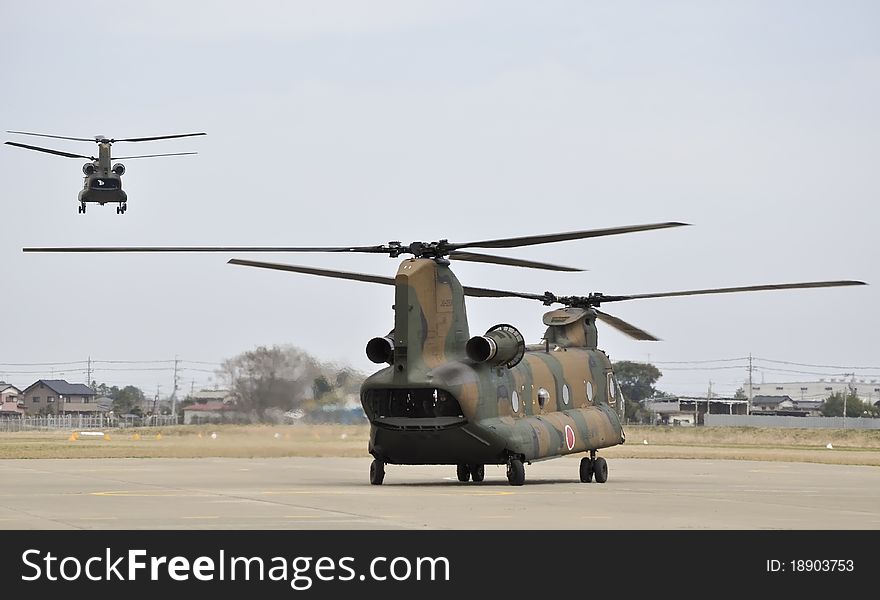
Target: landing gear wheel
118, 210
600, 470
463, 472
586, 470
516, 472
478, 472
82, 208
377, 472
124, 207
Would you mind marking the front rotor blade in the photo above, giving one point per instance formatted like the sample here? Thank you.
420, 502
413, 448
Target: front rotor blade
503, 260
561, 237
368, 249
58, 137
312, 271
152, 155
157, 137
50, 151
728, 290
624, 327
490, 293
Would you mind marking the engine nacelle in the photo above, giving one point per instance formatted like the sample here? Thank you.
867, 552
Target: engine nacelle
381, 350
502, 345
119, 169
88, 169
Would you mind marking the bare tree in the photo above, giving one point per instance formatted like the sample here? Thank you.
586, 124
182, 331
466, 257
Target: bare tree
280, 377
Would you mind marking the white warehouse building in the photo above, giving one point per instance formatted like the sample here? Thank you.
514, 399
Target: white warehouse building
866, 389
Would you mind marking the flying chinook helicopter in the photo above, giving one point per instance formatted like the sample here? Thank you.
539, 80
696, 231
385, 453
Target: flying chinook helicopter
102, 182
449, 398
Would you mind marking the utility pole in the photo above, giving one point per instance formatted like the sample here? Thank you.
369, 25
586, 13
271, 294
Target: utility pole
174, 392
708, 399
851, 387
749, 405
89, 373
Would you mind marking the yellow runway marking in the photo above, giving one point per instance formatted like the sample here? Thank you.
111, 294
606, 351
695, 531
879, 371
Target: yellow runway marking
149, 494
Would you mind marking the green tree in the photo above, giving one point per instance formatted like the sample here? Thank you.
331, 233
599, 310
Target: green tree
128, 400
855, 407
637, 381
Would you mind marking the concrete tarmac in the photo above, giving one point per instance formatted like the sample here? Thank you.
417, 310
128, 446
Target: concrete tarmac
334, 493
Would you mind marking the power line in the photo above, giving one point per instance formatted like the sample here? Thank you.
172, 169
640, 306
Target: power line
697, 362
785, 362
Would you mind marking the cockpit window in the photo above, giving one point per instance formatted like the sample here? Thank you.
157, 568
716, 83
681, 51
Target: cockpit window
417, 403
100, 183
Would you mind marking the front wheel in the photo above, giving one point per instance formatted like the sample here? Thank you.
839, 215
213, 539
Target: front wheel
600, 470
377, 472
478, 472
586, 470
463, 473
516, 472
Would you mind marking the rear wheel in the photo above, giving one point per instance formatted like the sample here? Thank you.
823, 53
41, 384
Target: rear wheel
463, 472
478, 472
586, 470
516, 472
377, 472
600, 470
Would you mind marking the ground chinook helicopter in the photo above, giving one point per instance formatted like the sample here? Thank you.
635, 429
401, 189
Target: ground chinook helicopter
449, 398
102, 183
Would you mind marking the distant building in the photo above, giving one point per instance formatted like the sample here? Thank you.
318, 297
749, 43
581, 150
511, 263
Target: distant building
212, 412
690, 410
10, 401
866, 389
202, 396
104, 404
58, 397
9, 393
786, 406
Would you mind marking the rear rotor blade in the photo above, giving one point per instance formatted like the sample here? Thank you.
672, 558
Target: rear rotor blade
468, 291
313, 271
157, 137
561, 237
624, 327
108, 249
512, 262
58, 137
152, 155
728, 290
50, 151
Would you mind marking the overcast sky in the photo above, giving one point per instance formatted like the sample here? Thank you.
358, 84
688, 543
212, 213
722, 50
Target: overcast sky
348, 122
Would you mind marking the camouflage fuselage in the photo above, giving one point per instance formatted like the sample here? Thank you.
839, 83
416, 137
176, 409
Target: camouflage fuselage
434, 405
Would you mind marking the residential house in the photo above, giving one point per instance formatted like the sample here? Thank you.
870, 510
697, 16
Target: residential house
56, 396
10, 401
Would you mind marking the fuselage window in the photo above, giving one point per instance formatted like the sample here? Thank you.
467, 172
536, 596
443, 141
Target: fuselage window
543, 397
590, 392
566, 396
612, 390
514, 401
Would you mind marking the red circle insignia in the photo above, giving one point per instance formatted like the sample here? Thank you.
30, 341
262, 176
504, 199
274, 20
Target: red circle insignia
569, 437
